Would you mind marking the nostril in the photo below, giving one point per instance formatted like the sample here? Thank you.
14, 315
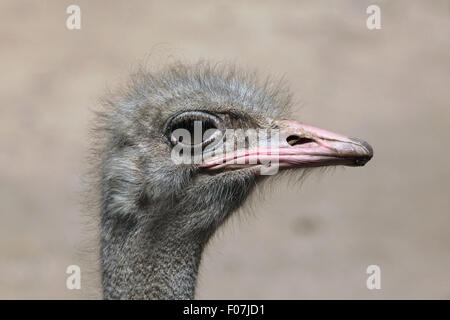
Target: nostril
296, 140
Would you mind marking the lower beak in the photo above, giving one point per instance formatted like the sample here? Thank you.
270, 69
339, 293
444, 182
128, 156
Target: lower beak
297, 146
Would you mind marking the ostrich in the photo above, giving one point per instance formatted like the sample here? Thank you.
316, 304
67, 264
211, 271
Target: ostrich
157, 215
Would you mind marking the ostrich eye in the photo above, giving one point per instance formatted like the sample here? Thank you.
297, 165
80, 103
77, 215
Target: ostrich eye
194, 128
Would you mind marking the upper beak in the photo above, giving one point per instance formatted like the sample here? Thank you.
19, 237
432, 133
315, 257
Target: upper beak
298, 146
305, 145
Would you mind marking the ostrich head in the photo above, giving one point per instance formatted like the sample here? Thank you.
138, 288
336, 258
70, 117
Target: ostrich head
159, 210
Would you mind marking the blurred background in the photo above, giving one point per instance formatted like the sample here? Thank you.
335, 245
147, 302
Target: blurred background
388, 86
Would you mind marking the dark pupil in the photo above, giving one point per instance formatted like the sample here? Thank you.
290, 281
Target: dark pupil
189, 124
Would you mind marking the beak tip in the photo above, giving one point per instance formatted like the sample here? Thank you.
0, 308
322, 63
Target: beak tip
367, 155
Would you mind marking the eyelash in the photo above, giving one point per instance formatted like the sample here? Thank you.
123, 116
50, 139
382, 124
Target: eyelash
186, 121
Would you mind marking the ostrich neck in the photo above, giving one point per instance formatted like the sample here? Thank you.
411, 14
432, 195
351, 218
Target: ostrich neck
140, 262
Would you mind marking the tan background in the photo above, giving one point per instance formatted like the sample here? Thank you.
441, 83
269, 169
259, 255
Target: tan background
389, 87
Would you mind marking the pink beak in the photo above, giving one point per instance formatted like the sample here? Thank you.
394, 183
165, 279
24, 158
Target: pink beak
304, 145
299, 146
